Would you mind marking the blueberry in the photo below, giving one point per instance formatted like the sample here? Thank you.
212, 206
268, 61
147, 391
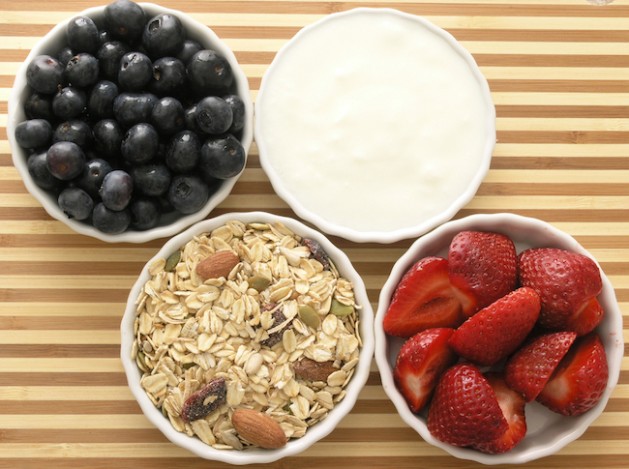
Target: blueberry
163, 35
76, 131
168, 116
82, 70
144, 214
151, 179
69, 102
92, 176
110, 221
188, 194
38, 169
108, 137
184, 151
125, 20
75, 203
190, 118
65, 55
65, 160
100, 104
33, 133
104, 36
214, 115
39, 106
237, 106
222, 157
209, 72
82, 34
133, 108
169, 75
116, 190
140, 144
188, 49
135, 72
44, 74
109, 56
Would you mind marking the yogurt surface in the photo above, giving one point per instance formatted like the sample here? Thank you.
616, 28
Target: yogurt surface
373, 121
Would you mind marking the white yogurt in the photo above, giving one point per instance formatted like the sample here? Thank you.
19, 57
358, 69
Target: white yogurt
374, 122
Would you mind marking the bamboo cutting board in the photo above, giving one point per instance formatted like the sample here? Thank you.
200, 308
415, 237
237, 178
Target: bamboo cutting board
559, 75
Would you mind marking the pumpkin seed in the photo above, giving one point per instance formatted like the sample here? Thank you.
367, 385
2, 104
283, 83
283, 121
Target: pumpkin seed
309, 316
339, 309
172, 261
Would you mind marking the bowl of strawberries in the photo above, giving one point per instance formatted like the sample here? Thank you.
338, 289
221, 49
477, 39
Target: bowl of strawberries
498, 338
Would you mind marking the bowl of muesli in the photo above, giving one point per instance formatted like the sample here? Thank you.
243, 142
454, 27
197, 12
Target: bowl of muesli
247, 338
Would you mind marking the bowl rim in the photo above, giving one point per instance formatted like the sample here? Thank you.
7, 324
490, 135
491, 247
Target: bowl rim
16, 115
383, 237
314, 433
614, 353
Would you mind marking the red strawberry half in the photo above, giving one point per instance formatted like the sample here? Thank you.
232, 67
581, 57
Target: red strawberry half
422, 300
528, 370
497, 330
579, 380
482, 268
567, 283
464, 410
512, 405
419, 365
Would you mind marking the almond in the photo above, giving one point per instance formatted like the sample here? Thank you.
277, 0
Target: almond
313, 370
219, 264
258, 428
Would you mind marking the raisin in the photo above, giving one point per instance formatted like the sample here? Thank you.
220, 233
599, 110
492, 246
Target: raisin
205, 401
317, 252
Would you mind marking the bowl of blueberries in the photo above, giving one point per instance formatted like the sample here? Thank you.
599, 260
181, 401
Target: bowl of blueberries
130, 122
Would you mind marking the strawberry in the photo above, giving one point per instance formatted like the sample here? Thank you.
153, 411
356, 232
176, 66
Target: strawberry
579, 380
420, 362
567, 283
482, 268
528, 370
497, 330
464, 409
512, 405
422, 300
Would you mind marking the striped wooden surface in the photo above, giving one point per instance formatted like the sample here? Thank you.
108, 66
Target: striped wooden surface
559, 74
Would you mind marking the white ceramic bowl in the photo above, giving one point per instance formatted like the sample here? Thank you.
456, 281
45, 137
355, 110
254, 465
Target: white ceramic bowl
547, 432
52, 42
314, 433
319, 123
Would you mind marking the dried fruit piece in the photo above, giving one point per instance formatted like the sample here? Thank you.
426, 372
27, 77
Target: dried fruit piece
309, 316
172, 261
219, 264
317, 252
312, 370
258, 428
276, 336
205, 401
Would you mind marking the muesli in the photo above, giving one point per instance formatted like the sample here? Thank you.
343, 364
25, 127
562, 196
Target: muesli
249, 316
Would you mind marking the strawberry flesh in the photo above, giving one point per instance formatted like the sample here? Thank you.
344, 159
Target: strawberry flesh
512, 405
497, 330
419, 364
464, 409
566, 283
528, 370
579, 380
422, 300
482, 268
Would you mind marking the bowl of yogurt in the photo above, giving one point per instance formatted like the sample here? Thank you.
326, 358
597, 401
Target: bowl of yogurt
374, 125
